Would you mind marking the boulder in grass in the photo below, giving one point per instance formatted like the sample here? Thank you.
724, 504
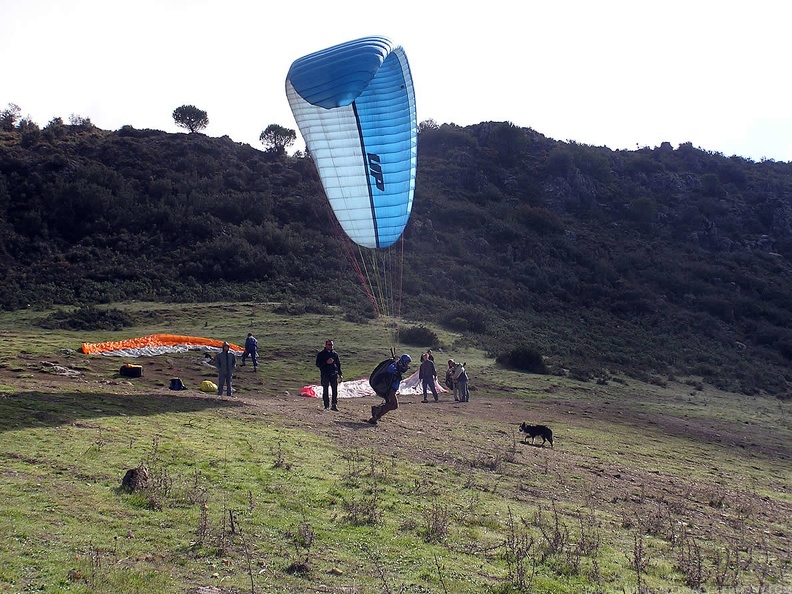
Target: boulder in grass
135, 479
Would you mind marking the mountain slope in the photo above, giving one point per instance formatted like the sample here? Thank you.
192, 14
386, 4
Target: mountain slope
655, 262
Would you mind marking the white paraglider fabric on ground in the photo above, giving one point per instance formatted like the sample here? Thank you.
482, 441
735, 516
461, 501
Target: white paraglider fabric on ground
360, 388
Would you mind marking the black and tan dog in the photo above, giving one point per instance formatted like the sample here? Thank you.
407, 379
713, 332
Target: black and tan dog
533, 431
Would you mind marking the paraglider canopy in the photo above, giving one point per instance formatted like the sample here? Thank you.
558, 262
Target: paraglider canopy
354, 104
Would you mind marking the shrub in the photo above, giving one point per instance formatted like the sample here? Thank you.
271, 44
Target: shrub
466, 319
54, 129
559, 161
540, 220
523, 358
418, 336
9, 117
88, 318
300, 307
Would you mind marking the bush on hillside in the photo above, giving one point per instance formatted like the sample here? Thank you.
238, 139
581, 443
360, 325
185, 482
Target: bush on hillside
299, 307
523, 358
419, 336
466, 319
88, 318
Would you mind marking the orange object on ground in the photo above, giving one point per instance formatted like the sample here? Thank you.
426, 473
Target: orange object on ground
155, 344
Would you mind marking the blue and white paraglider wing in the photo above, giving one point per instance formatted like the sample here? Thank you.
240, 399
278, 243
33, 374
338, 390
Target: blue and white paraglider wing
354, 104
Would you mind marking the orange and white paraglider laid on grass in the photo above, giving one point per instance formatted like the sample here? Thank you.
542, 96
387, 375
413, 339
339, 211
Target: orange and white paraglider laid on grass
155, 344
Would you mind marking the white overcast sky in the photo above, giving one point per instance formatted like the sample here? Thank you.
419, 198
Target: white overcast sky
613, 73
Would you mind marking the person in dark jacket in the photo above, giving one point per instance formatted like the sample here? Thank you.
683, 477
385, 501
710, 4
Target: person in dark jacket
427, 374
329, 365
225, 361
395, 370
251, 350
449, 378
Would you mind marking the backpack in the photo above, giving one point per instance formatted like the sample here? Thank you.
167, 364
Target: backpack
449, 379
177, 384
380, 380
130, 370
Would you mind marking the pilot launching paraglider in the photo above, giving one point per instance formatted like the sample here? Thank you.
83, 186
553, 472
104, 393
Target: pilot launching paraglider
354, 104
395, 371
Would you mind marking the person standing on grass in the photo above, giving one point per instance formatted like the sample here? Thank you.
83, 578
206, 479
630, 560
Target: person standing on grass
251, 350
329, 365
449, 378
225, 361
427, 374
461, 383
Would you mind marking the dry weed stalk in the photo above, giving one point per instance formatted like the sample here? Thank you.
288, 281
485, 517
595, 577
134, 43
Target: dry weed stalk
436, 521
639, 560
518, 553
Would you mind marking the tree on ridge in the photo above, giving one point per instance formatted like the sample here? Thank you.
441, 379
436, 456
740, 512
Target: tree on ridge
191, 118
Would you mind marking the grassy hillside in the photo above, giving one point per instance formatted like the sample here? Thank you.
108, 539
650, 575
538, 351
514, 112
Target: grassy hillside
656, 263
649, 488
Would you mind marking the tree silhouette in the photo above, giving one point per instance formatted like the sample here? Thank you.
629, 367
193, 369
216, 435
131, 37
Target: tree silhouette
277, 138
9, 117
190, 117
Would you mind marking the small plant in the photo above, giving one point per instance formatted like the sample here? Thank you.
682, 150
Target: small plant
160, 486
280, 460
639, 560
657, 520
203, 529
95, 557
518, 552
377, 560
303, 539
555, 533
354, 465
716, 497
99, 442
690, 563
436, 521
197, 491
364, 511
726, 568
440, 574
590, 538
487, 461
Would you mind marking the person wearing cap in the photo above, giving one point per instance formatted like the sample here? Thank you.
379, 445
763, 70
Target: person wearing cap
225, 361
395, 370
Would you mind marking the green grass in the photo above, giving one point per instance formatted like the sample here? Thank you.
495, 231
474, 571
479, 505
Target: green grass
263, 493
